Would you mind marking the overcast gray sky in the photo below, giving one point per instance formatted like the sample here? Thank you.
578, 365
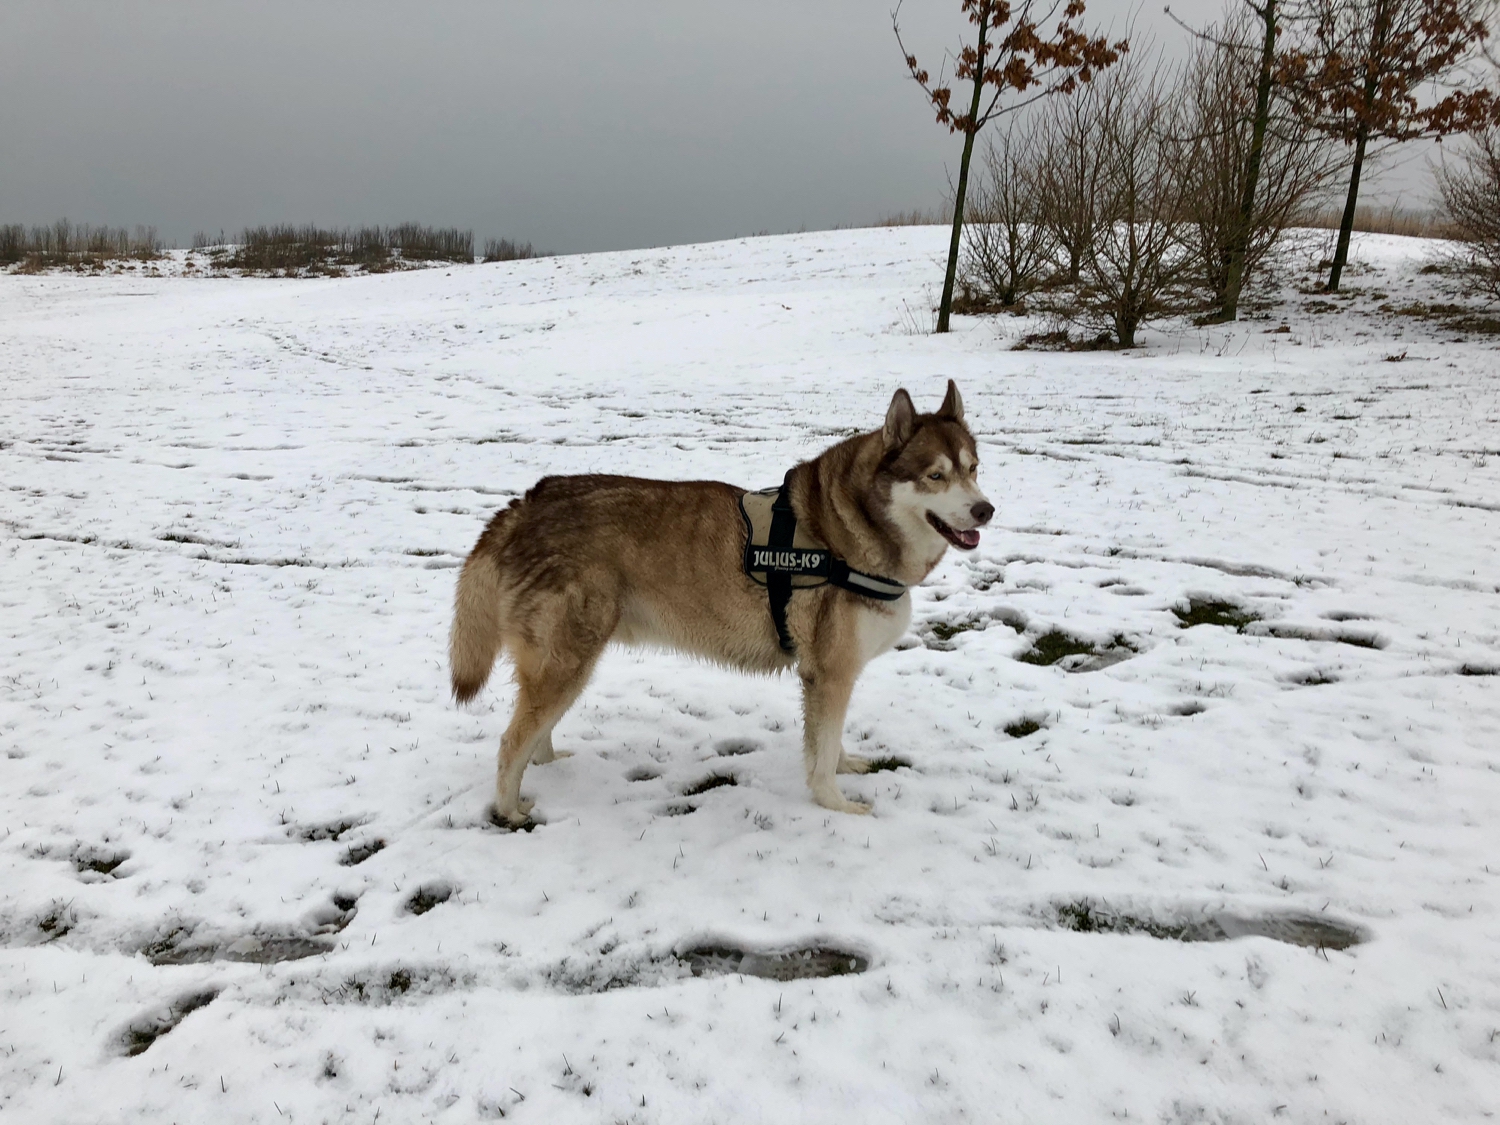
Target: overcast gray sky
575, 124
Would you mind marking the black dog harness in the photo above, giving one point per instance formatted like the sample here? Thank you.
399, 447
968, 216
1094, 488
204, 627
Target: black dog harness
788, 558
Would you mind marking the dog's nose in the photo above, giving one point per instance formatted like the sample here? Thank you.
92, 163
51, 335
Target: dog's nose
982, 512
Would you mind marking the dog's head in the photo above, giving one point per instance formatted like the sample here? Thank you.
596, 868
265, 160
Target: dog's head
932, 466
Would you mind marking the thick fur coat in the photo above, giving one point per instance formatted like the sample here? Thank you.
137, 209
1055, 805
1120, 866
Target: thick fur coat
581, 561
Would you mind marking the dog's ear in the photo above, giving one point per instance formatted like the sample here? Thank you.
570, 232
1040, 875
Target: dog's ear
900, 420
953, 406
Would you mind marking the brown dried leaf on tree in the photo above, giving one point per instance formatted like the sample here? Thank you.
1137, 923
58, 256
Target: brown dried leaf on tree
1011, 63
1360, 70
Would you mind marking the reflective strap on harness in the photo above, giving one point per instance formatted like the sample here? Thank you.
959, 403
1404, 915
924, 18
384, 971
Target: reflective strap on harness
858, 582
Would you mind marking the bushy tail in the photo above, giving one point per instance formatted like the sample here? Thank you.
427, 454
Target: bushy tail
476, 637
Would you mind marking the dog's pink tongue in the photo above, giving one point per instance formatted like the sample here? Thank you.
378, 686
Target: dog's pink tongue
970, 539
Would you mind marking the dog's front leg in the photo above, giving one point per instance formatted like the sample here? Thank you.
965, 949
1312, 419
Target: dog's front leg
825, 700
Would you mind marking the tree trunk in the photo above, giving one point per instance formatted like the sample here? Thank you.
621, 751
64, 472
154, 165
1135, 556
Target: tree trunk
1239, 240
1378, 37
946, 306
1346, 224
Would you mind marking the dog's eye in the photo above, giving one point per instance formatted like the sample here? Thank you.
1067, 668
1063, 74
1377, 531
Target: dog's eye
934, 476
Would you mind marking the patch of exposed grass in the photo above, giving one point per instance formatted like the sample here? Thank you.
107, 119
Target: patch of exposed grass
330, 831
379, 987
57, 921
1051, 647
1343, 637
100, 861
1060, 340
946, 631
1314, 678
1477, 325
361, 852
144, 1032
1206, 612
1084, 917
427, 896
1023, 727
1453, 318
713, 781
1076, 654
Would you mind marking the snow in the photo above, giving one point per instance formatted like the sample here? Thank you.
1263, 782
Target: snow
232, 512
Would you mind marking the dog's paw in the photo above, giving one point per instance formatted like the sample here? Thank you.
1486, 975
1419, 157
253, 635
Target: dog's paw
848, 763
833, 799
517, 817
545, 755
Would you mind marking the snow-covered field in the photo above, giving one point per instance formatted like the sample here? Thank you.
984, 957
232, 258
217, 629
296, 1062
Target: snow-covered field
232, 509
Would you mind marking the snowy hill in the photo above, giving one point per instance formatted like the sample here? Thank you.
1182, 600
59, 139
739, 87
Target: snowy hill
1231, 855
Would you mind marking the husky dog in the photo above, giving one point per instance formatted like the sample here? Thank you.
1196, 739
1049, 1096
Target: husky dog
581, 561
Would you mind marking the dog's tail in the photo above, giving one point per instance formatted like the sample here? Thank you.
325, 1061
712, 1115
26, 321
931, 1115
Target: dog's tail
477, 608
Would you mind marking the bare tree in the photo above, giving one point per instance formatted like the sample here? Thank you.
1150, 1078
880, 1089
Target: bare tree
1252, 167
1009, 64
1007, 249
1068, 175
1471, 201
1359, 70
1138, 268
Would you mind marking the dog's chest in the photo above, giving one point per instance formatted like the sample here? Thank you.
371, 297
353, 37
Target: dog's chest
880, 627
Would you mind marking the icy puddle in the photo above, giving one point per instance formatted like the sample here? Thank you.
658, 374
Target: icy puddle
795, 964
181, 946
1294, 929
255, 949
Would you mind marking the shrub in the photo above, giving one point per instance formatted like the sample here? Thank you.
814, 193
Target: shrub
288, 249
504, 250
79, 247
1471, 201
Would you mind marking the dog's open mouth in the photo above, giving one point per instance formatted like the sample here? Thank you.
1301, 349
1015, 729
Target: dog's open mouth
963, 540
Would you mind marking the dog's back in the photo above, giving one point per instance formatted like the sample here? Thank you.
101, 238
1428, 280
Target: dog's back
581, 560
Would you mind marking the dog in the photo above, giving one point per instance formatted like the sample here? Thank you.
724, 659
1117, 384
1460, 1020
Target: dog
581, 561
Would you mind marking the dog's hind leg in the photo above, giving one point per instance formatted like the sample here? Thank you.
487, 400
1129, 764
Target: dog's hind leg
825, 700
546, 687
849, 763
545, 752
554, 659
